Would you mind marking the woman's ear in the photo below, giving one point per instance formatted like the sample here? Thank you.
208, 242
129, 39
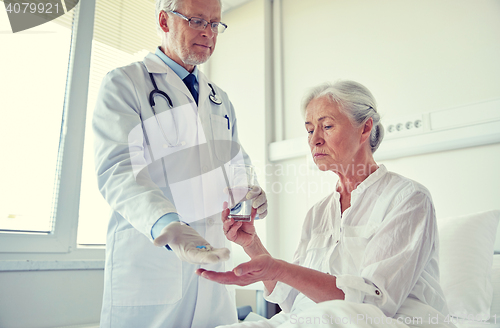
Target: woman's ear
367, 130
163, 17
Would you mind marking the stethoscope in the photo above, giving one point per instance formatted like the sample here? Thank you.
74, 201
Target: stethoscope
157, 92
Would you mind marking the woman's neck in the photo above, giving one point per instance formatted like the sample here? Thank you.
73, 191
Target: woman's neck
350, 179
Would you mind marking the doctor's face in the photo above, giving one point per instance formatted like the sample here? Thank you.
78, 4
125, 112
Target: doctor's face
186, 46
334, 142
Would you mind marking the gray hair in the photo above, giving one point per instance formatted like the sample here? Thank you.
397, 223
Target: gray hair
166, 6
354, 100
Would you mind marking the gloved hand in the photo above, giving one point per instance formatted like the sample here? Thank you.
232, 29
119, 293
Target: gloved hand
189, 246
259, 200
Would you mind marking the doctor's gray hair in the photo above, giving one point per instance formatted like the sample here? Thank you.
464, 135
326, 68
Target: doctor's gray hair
354, 100
166, 6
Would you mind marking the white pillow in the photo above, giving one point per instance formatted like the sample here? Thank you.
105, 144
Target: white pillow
465, 260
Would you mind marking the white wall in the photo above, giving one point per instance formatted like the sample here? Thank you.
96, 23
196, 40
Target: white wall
39, 299
415, 56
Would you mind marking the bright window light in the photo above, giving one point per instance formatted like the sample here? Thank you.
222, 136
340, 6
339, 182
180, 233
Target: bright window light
33, 70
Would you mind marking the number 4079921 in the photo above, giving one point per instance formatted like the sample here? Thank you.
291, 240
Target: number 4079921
32, 8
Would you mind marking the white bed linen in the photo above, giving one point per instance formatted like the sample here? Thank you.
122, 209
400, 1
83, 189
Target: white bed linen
343, 314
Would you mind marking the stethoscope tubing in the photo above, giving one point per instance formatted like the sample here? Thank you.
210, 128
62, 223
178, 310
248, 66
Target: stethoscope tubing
157, 92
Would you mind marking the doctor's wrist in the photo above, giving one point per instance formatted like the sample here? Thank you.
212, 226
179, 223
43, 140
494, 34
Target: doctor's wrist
162, 222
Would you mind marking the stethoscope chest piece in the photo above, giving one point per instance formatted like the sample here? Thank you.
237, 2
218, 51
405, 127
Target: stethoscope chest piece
213, 96
215, 99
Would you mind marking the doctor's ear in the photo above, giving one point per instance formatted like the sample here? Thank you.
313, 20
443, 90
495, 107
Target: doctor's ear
163, 17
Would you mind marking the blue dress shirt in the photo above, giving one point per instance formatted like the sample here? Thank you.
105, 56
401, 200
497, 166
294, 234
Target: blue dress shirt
178, 69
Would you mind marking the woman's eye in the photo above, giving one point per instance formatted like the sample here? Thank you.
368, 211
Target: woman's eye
327, 127
310, 131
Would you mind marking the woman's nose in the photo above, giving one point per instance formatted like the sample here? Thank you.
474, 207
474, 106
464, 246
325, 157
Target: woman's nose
316, 139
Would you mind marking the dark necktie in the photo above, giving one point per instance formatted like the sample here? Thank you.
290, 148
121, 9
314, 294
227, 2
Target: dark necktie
190, 81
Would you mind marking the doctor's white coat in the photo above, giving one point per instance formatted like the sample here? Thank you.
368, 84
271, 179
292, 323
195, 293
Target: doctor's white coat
142, 178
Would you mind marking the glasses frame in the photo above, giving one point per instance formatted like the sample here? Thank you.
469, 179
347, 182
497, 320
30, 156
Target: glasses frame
213, 26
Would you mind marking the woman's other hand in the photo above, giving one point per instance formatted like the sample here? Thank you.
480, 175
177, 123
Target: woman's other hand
239, 232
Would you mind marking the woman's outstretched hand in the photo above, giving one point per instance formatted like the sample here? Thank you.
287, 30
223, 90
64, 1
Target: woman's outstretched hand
261, 268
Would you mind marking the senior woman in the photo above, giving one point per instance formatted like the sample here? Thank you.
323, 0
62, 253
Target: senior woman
368, 254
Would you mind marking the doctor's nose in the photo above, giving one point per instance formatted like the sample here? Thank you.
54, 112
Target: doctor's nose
207, 32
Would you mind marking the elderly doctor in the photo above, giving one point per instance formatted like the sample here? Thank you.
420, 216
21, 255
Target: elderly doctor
164, 137
367, 250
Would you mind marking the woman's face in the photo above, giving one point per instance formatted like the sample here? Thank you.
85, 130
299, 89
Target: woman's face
335, 143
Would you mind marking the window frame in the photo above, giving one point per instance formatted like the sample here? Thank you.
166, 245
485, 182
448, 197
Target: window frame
63, 237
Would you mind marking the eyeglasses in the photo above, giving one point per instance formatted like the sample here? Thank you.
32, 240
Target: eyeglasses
201, 24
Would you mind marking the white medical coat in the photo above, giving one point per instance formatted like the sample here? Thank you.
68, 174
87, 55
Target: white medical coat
138, 174
383, 249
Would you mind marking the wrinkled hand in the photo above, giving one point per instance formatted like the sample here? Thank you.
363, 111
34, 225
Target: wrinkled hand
239, 232
259, 200
189, 246
261, 268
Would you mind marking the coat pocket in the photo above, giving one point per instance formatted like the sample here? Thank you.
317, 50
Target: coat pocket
221, 137
143, 274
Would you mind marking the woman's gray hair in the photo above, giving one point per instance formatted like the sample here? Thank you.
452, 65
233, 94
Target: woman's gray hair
354, 100
166, 6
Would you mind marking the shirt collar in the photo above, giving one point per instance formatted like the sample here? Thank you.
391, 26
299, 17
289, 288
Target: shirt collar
371, 179
178, 69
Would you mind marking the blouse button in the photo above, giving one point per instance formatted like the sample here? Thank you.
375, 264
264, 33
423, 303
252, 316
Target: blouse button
377, 292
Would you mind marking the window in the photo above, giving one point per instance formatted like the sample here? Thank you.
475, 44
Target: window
47, 80
34, 69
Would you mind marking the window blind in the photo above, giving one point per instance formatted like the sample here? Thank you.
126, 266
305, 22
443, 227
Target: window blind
124, 32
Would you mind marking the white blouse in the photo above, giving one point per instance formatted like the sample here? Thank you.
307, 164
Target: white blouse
383, 249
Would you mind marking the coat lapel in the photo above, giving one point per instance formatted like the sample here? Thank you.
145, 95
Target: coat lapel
154, 64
